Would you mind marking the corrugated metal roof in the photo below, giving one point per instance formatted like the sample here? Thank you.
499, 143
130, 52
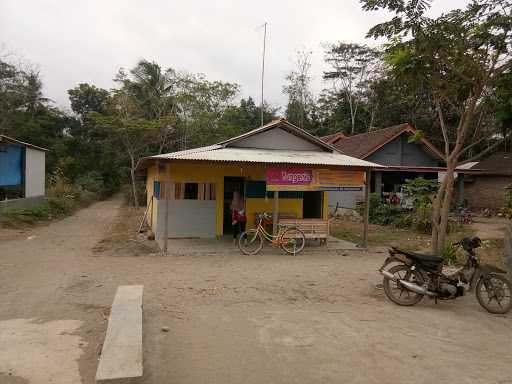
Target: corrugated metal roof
467, 165
220, 153
10, 140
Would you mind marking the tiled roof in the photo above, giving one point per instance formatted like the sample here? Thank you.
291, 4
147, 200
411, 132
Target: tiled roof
364, 144
333, 138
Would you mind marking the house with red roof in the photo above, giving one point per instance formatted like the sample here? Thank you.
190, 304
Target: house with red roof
394, 148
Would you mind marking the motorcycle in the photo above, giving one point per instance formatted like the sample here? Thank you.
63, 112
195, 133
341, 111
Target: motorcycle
417, 275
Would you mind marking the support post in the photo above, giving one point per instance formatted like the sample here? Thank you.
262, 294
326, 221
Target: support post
378, 183
460, 187
275, 212
166, 224
366, 207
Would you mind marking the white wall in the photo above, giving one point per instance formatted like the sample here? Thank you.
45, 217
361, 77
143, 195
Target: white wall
34, 173
187, 218
345, 199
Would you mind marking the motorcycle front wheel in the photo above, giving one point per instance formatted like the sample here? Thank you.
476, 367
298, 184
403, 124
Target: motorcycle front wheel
493, 293
396, 292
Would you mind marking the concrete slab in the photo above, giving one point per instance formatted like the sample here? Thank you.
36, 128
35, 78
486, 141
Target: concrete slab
225, 245
121, 356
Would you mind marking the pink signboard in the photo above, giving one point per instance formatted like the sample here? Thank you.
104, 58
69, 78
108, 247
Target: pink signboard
289, 176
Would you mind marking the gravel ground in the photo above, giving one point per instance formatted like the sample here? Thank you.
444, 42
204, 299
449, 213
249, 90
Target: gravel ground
232, 319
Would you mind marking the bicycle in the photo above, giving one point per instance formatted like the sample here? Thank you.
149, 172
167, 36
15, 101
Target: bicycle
289, 238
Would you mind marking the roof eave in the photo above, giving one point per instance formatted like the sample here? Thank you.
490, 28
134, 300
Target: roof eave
10, 140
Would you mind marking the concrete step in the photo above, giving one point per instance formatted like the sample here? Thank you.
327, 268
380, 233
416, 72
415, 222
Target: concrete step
121, 356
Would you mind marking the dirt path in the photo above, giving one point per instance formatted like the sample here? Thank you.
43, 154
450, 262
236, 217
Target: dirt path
489, 228
232, 319
44, 277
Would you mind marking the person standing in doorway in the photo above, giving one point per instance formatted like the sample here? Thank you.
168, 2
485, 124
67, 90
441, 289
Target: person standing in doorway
238, 217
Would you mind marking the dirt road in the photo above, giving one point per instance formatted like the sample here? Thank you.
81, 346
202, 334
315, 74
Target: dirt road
232, 319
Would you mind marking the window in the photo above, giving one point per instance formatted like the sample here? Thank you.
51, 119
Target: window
184, 191
191, 190
258, 190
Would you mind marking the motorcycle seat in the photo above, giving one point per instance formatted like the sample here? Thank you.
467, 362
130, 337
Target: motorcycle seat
419, 256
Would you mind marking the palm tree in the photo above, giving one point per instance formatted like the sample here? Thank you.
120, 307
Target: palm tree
153, 89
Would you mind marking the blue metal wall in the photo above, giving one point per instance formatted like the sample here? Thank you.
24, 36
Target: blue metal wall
11, 165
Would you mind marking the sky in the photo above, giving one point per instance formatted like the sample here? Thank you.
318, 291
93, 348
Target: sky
73, 41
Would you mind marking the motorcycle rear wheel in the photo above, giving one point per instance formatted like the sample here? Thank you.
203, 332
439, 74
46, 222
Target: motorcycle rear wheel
398, 294
496, 289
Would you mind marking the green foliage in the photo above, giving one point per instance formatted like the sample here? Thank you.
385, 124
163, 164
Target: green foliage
86, 98
403, 220
422, 217
380, 212
449, 254
63, 199
422, 191
508, 202
92, 182
416, 138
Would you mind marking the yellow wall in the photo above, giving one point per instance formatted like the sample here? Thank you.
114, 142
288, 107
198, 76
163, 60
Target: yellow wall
215, 173
253, 206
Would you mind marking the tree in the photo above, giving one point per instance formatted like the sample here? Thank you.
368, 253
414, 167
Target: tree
201, 105
352, 66
245, 116
154, 89
298, 89
86, 98
455, 58
134, 134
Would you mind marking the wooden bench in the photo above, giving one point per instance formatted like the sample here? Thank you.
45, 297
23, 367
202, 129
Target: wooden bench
121, 355
317, 229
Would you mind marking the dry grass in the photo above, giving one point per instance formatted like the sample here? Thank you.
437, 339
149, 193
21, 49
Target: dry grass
491, 251
380, 235
123, 238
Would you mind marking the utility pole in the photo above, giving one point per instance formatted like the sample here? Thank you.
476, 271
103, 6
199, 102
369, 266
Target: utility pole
264, 26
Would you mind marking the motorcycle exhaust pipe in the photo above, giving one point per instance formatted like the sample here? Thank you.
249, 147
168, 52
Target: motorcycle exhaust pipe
413, 287
389, 275
416, 288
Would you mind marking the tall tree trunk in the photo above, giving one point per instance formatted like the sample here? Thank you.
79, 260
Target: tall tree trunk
134, 185
443, 199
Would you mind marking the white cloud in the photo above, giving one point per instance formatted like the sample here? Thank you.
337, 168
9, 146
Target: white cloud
88, 41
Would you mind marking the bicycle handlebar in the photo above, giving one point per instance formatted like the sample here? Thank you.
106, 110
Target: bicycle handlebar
264, 215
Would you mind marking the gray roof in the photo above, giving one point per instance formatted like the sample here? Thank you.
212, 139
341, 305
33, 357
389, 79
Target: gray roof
225, 151
251, 155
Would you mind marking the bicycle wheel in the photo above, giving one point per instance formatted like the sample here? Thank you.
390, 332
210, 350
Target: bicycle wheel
293, 241
250, 242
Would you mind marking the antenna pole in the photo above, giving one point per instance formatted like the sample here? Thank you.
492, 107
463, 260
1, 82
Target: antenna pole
263, 67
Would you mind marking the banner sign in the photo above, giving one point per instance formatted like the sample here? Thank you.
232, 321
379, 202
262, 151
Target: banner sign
301, 179
289, 177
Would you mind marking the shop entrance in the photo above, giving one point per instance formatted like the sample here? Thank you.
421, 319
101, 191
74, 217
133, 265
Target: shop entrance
231, 184
312, 204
